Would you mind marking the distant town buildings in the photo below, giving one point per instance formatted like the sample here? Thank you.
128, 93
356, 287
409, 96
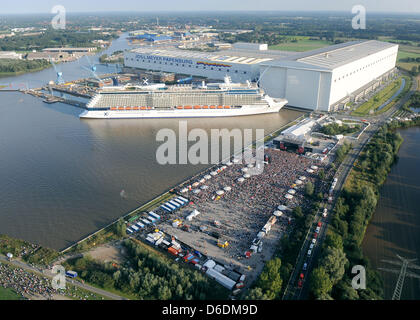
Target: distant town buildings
10, 55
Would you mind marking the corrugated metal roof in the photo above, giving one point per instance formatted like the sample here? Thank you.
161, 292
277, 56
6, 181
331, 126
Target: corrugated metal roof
332, 57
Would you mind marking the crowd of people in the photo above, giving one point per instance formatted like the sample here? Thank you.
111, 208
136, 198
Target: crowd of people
25, 283
251, 201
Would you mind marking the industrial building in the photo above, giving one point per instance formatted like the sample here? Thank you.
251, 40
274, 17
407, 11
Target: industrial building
242, 63
320, 79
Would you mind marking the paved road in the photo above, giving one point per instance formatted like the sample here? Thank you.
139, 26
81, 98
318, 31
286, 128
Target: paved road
292, 291
48, 274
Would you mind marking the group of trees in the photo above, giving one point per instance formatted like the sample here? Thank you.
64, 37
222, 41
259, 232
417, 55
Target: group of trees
52, 38
352, 213
269, 283
149, 275
342, 151
334, 129
17, 66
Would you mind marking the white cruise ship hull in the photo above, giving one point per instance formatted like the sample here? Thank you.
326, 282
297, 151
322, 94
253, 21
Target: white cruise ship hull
175, 113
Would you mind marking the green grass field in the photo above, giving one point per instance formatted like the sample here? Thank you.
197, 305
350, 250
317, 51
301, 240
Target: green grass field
8, 294
377, 100
302, 44
408, 52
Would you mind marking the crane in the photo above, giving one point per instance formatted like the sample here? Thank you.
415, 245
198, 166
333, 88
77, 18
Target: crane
59, 74
92, 69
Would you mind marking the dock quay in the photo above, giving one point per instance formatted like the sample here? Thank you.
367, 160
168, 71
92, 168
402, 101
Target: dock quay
50, 99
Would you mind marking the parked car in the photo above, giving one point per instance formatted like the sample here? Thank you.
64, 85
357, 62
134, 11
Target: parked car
309, 253
318, 229
305, 266
302, 276
314, 241
300, 283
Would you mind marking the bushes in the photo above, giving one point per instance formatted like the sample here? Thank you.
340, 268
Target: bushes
16, 66
334, 129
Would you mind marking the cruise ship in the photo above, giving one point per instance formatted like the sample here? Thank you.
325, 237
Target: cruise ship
181, 101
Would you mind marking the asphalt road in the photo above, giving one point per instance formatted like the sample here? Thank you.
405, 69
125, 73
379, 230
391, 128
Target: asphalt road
292, 291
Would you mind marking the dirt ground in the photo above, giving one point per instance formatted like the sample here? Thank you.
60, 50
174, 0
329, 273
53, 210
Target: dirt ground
108, 253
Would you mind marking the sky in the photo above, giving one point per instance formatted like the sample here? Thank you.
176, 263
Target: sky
45, 6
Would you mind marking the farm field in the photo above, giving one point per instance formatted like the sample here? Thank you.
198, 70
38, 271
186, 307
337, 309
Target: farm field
302, 44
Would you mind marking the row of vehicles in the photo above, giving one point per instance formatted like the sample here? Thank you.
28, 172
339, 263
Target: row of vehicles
311, 248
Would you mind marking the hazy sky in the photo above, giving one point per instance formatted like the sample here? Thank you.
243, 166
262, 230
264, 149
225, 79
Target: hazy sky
38, 6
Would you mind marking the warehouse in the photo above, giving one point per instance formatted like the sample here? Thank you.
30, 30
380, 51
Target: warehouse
323, 79
241, 63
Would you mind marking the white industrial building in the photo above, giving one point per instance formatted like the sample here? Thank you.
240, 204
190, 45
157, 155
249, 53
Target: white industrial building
318, 80
241, 63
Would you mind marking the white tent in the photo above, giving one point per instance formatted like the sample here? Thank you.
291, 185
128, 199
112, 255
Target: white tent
204, 187
229, 164
278, 213
303, 178
197, 191
241, 180
288, 196
207, 177
310, 171
244, 170
202, 180
282, 208
250, 166
184, 190
247, 176
314, 168
298, 182
292, 191
227, 189
223, 168
213, 173
220, 193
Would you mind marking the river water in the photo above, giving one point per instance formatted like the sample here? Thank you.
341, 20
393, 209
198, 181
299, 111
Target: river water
395, 227
61, 177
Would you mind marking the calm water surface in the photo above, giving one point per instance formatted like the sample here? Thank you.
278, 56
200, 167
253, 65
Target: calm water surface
61, 177
395, 227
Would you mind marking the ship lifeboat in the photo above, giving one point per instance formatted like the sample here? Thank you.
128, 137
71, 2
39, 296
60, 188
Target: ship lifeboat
128, 108
113, 108
121, 108
180, 108
143, 108
212, 107
227, 107
149, 108
188, 107
197, 107
220, 107
205, 107
135, 108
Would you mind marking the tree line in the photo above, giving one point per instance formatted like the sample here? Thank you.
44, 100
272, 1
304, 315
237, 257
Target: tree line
17, 66
331, 279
